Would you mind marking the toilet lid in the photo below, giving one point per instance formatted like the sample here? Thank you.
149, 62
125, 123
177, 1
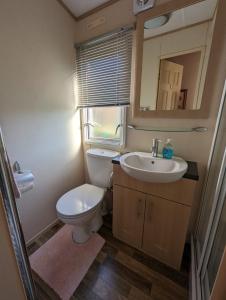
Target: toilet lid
79, 200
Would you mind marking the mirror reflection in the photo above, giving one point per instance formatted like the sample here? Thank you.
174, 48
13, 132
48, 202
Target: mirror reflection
176, 50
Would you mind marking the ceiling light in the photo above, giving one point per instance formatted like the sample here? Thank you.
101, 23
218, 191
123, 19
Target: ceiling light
157, 22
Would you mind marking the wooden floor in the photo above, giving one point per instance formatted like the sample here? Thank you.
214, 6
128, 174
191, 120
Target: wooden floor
121, 272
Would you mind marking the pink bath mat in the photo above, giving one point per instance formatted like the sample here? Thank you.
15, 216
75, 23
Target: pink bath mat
62, 264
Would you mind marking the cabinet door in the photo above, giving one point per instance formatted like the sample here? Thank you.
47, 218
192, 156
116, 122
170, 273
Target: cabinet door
128, 215
165, 229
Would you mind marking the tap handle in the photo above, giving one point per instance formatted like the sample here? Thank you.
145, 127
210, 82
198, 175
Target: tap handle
155, 141
155, 147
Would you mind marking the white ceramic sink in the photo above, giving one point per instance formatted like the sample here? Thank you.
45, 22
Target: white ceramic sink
143, 166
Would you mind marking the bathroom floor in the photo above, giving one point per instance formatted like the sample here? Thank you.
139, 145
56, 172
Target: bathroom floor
121, 272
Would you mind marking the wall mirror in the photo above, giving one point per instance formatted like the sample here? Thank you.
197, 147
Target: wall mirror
173, 56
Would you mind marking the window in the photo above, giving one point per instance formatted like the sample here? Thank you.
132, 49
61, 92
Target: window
103, 69
105, 125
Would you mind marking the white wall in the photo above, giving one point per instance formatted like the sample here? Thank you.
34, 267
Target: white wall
41, 128
150, 73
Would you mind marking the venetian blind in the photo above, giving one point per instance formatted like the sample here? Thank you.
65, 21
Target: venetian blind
103, 68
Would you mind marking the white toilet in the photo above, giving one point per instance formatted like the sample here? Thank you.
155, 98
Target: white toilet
81, 206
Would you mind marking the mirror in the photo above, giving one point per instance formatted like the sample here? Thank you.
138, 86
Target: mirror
176, 49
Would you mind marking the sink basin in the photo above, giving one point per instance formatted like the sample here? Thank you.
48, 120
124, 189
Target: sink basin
143, 166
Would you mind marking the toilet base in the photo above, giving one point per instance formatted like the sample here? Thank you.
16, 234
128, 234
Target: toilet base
81, 234
97, 222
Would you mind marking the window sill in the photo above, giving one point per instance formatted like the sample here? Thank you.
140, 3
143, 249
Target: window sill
113, 144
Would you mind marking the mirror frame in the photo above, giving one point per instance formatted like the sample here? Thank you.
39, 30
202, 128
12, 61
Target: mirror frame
203, 112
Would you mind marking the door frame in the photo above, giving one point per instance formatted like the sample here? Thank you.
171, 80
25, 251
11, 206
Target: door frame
201, 258
218, 204
15, 230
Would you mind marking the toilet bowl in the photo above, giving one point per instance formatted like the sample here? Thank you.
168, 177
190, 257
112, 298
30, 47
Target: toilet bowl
82, 206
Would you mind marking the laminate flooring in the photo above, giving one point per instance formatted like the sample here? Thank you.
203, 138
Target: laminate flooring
121, 272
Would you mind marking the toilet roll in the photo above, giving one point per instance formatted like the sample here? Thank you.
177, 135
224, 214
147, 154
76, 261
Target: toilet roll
24, 180
26, 187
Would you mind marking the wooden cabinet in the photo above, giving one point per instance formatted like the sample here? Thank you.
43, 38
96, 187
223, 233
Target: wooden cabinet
128, 211
165, 227
181, 191
144, 218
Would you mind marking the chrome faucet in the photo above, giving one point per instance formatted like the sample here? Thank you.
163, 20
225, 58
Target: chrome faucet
155, 147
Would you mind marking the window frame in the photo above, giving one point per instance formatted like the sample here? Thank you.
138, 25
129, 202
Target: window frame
115, 143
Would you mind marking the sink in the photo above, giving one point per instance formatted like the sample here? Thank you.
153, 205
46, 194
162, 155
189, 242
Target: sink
143, 166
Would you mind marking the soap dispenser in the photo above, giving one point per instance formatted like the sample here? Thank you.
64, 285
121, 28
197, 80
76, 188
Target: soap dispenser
167, 151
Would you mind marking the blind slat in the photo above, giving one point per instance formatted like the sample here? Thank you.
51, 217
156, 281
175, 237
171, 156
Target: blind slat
104, 71
97, 65
105, 79
100, 52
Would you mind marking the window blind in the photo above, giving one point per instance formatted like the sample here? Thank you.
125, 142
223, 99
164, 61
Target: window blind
103, 68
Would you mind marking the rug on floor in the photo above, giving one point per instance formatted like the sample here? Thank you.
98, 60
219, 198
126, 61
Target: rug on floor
62, 264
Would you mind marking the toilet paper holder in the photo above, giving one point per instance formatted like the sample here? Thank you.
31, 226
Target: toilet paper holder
24, 178
17, 167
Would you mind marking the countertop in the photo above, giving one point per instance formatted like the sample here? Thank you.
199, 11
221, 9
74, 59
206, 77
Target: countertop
192, 171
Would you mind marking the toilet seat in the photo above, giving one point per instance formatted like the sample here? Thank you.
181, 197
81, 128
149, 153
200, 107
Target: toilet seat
79, 201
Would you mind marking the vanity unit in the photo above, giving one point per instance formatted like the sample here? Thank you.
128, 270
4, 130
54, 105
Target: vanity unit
153, 217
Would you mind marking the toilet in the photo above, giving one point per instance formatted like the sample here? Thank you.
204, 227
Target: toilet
82, 206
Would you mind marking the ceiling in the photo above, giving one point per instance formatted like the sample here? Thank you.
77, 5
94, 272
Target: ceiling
187, 16
181, 18
81, 7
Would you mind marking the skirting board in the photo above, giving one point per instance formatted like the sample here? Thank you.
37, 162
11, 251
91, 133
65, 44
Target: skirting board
28, 243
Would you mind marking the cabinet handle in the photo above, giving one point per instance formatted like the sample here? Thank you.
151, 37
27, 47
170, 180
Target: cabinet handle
139, 208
